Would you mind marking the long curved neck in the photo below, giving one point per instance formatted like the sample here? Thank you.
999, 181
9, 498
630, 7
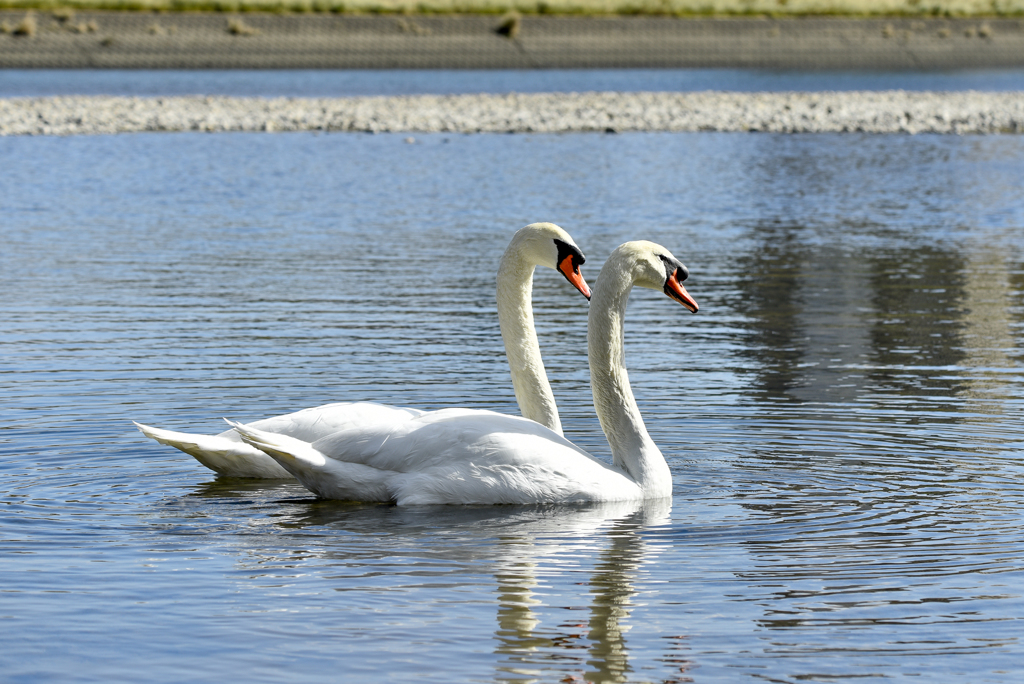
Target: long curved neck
515, 314
633, 450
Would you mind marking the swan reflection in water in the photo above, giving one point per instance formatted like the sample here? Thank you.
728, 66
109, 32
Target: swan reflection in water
598, 546
593, 642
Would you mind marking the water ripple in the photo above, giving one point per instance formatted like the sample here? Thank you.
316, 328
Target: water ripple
842, 419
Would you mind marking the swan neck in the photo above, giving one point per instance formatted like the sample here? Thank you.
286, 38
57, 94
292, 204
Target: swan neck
633, 450
515, 315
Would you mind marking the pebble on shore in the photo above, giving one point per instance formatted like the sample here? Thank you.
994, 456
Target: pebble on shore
820, 112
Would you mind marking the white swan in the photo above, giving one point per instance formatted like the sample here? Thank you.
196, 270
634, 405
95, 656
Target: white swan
462, 456
538, 244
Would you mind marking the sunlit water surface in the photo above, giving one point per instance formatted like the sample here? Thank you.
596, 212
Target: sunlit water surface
842, 418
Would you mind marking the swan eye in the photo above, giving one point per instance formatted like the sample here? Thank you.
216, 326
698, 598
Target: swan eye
565, 250
674, 268
568, 264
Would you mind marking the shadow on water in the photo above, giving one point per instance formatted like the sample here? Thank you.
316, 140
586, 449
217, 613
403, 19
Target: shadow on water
815, 315
918, 319
928, 323
769, 292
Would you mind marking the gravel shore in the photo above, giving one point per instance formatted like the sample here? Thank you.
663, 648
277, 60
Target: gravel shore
871, 112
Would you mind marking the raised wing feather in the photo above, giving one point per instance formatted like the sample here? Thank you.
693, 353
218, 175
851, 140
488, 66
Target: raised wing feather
468, 456
226, 454
312, 424
439, 437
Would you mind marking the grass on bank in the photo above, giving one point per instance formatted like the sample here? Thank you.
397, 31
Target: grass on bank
948, 8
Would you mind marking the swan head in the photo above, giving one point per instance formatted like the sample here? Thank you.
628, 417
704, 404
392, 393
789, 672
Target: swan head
545, 244
652, 266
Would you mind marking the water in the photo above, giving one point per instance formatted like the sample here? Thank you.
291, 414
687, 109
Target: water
842, 418
328, 83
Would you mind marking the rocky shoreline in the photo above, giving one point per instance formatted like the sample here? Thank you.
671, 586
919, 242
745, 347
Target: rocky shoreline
870, 112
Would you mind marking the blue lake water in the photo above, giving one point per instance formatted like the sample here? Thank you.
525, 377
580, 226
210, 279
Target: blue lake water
843, 418
328, 83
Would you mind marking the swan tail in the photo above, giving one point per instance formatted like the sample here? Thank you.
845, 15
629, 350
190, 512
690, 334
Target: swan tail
221, 454
328, 478
281, 448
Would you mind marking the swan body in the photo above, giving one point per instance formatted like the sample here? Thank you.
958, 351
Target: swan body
463, 456
538, 244
446, 456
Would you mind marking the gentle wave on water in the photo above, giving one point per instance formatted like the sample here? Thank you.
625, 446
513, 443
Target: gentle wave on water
842, 418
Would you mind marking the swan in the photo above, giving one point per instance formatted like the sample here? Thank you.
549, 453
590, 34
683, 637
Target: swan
538, 244
463, 456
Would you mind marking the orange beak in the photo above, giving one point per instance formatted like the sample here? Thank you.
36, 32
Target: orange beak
573, 275
675, 290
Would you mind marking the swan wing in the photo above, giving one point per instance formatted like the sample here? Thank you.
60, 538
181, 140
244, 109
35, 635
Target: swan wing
311, 424
447, 436
228, 455
225, 454
327, 478
454, 456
